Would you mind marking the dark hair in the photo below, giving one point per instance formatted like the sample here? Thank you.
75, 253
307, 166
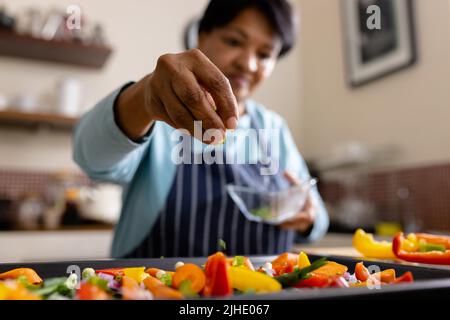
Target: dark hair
279, 14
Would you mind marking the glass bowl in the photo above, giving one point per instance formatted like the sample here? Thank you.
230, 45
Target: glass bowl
270, 207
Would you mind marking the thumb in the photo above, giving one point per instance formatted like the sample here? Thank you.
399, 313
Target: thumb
291, 178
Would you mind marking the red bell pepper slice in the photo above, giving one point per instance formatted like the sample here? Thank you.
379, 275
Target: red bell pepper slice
112, 271
406, 277
322, 281
314, 281
432, 257
218, 281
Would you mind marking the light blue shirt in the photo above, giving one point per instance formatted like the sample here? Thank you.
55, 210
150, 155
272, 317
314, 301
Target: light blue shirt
146, 170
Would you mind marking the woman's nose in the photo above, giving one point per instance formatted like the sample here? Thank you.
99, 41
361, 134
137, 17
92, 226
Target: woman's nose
248, 62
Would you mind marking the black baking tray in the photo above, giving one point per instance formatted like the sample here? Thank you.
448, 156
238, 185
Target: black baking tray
429, 281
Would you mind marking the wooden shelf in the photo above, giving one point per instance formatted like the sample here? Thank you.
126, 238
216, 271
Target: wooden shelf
24, 46
17, 118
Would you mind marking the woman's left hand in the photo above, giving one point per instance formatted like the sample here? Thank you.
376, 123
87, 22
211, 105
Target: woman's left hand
305, 218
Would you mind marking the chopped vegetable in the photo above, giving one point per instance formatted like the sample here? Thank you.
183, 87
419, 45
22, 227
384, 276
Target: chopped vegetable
222, 245
137, 273
263, 212
90, 291
361, 272
284, 263
241, 261
193, 273
385, 276
331, 268
243, 279
164, 277
112, 271
154, 271
218, 282
292, 278
406, 277
303, 260
12, 290
432, 257
427, 247
160, 291
186, 290
87, 273
219, 277
435, 239
30, 274
369, 247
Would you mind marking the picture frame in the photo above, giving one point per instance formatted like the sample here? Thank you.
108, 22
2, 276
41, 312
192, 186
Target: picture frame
372, 53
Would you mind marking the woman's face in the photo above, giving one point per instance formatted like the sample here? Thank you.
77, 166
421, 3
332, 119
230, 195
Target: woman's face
245, 50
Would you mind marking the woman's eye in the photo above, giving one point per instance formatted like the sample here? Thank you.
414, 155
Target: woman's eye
264, 55
232, 42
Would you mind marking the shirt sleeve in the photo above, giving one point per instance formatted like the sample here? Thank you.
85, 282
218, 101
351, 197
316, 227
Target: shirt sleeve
294, 163
101, 149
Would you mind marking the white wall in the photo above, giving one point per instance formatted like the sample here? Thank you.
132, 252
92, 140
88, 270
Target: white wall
140, 31
409, 109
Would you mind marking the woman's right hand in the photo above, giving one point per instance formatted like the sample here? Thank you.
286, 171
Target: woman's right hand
183, 88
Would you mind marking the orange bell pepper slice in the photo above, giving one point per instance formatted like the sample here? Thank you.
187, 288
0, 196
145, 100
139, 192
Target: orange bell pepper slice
284, 263
30, 274
385, 276
330, 269
361, 272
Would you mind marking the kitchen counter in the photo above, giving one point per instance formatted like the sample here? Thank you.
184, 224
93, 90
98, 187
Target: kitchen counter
337, 244
57, 245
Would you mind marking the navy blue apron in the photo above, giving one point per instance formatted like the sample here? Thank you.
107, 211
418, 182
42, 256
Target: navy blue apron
199, 213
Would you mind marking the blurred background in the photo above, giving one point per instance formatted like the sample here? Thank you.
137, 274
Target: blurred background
369, 111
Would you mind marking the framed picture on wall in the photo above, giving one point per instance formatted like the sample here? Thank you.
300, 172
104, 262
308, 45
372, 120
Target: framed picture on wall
379, 38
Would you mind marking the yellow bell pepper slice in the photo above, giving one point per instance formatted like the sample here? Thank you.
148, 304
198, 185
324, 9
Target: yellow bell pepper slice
370, 248
303, 260
411, 243
137, 273
16, 291
244, 279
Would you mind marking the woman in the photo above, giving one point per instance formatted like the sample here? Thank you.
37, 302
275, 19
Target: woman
175, 208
